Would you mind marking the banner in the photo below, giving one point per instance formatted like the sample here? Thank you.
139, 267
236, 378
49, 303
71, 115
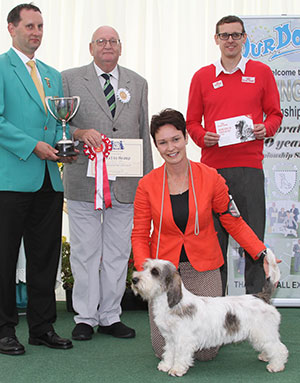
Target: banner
276, 42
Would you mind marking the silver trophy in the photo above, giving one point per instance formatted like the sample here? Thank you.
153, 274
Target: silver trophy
63, 109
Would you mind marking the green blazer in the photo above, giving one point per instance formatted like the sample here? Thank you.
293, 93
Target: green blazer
23, 122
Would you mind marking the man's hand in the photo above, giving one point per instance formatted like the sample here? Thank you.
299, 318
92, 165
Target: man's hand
45, 151
89, 136
211, 139
259, 131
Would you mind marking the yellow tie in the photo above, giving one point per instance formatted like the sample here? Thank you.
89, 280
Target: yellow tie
37, 82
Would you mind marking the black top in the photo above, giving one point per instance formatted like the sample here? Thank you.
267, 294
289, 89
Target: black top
180, 209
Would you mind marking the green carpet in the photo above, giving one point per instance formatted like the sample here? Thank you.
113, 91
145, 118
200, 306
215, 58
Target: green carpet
105, 359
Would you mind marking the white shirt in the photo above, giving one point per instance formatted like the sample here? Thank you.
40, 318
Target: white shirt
240, 66
114, 78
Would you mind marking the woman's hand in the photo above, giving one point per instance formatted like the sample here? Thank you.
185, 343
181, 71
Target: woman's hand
266, 267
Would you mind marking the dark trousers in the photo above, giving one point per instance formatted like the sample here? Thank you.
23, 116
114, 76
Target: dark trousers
246, 185
37, 217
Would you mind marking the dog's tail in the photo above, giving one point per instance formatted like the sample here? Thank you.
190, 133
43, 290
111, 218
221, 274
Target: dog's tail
266, 292
271, 282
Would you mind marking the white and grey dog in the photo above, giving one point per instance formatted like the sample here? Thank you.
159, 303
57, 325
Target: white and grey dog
189, 322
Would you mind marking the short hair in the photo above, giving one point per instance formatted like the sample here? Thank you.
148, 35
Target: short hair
14, 15
167, 117
228, 20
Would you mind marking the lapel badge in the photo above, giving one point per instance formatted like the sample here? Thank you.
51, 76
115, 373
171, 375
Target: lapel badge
48, 82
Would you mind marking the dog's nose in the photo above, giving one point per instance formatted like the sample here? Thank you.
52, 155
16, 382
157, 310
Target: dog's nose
135, 280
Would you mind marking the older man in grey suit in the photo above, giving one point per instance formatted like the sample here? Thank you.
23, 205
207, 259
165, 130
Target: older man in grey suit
100, 239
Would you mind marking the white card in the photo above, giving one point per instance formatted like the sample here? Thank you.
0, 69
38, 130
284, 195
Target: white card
235, 130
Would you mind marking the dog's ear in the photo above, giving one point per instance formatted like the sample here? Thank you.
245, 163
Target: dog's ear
174, 291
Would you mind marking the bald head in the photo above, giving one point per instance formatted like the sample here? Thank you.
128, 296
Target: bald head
104, 29
106, 48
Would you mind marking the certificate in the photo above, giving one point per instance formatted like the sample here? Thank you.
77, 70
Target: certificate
235, 130
126, 158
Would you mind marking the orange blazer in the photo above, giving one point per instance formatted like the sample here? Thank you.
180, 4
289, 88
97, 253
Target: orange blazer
203, 250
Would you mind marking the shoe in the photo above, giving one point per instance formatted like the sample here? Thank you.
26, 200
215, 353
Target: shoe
82, 331
118, 330
11, 346
52, 340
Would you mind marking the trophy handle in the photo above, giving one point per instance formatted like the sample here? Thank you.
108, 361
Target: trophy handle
48, 106
77, 106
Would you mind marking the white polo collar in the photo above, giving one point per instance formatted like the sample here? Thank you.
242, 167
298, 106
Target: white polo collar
240, 66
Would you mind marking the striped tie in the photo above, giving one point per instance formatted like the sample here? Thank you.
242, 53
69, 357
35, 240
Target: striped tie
109, 94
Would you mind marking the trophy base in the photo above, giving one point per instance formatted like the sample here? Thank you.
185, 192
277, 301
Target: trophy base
65, 149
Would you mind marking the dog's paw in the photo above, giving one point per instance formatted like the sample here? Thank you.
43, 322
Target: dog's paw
178, 371
163, 366
263, 357
274, 368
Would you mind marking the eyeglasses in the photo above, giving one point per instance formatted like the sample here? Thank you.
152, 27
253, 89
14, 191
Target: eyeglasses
234, 35
103, 42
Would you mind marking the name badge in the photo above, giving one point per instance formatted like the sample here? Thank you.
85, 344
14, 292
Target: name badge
218, 84
250, 80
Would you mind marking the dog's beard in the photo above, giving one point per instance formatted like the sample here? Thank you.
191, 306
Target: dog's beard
141, 292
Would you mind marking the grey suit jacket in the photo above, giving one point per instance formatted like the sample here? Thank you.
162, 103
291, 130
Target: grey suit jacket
130, 121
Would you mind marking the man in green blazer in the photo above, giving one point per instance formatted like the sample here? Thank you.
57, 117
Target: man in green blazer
31, 191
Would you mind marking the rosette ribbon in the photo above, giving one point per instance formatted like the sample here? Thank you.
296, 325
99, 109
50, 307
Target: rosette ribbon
101, 178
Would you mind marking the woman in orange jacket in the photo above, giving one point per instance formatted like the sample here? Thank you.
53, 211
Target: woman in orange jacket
173, 219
